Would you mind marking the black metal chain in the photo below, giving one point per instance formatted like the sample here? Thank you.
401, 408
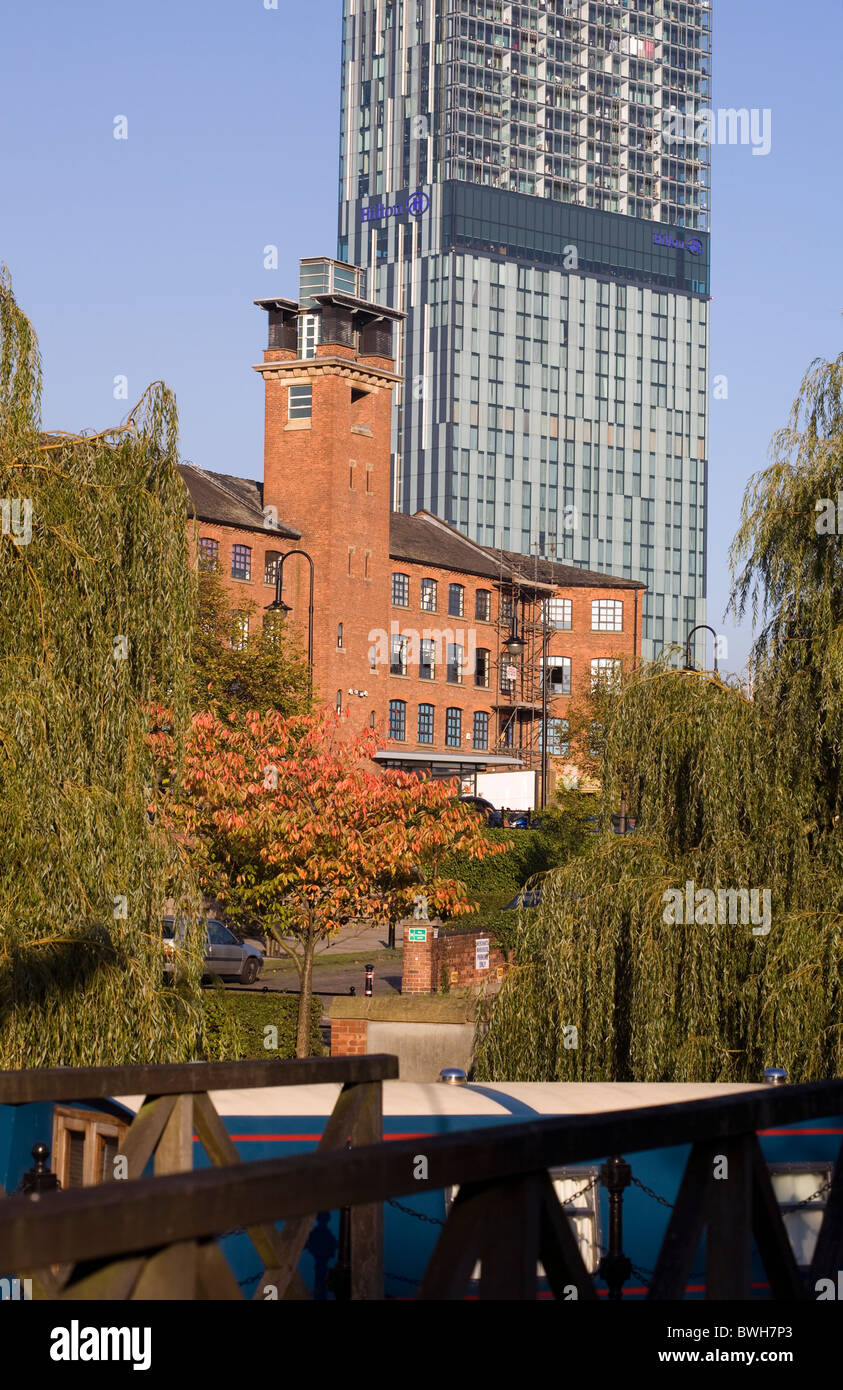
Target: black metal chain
574, 1195
410, 1211
650, 1193
806, 1201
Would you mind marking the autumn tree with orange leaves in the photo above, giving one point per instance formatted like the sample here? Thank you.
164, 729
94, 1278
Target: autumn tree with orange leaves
291, 826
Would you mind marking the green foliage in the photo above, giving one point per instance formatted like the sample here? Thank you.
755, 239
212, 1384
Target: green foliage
499, 873
235, 1022
566, 831
270, 672
83, 874
728, 793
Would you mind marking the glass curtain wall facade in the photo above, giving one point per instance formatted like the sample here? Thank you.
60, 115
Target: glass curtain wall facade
509, 177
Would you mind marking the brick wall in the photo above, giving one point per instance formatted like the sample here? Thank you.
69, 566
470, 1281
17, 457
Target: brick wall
329, 476
450, 956
348, 1037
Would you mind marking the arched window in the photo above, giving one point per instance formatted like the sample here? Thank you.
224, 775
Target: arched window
397, 720
270, 566
339, 636
480, 737
425, 727
453, 727
339, 702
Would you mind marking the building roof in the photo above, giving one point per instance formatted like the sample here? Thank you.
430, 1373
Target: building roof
425, 539
229, 501
534, 568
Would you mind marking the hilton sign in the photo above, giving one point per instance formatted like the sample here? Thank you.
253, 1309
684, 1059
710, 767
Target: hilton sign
416, 205
693, 244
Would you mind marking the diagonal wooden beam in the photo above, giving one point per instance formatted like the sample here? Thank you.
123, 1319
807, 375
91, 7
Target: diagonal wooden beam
174, 1150
144, 1132
770, 1232
281, 1251
113, 1281
684, 1230
268, 1242
558, 1248
48, 1283
214, 1276
460, 1243
170, 1274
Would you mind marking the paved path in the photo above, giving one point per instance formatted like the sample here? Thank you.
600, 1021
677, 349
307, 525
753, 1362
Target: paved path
350, 939
331, 980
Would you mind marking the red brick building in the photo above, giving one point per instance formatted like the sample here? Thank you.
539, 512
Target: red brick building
410, 618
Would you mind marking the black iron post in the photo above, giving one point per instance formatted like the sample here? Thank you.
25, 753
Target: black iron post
279, 604
614, 1267
370, 975
39, 1178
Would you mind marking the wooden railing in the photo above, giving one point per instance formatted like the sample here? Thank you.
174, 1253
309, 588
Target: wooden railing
177, 1105
156, 1237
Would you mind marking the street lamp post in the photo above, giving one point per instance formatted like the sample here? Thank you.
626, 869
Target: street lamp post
700, 627
279, 606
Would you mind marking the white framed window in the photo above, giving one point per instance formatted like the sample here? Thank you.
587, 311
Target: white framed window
455, 663
308, 335
557, 613
558, 675
300, 404
428, 595
578, 1191
802, 1193
605, 670
606, 615
85, 1144
399, 647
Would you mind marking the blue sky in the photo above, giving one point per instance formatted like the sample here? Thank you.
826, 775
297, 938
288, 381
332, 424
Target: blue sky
141, 257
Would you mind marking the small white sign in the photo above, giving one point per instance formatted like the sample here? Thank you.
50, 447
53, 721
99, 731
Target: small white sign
481, 953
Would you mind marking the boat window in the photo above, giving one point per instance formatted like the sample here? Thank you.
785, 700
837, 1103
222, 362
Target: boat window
85, 1144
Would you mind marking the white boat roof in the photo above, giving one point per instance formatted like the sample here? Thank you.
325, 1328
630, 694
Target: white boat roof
522, 1100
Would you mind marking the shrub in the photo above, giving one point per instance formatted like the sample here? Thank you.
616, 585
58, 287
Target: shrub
235, 1022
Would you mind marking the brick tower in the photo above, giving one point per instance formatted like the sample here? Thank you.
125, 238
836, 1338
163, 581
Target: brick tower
328, 372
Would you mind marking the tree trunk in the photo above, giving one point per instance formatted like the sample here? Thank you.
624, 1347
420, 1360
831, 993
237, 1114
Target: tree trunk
305, 996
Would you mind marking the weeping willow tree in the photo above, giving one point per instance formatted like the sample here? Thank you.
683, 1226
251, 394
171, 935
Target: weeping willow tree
96, 607
730, 792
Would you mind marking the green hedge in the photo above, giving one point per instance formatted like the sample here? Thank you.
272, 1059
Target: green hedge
235, 1023
501, 874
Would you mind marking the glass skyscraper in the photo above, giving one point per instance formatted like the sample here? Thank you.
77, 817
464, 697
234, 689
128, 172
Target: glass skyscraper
516, 179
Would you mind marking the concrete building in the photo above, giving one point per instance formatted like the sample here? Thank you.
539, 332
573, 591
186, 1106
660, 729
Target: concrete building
410, 617
511, 178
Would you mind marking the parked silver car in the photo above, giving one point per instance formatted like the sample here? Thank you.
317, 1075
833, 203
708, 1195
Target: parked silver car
225, 955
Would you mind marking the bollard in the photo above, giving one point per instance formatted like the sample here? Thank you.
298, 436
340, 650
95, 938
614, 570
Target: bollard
614, 1266
39, 1179
370, 975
